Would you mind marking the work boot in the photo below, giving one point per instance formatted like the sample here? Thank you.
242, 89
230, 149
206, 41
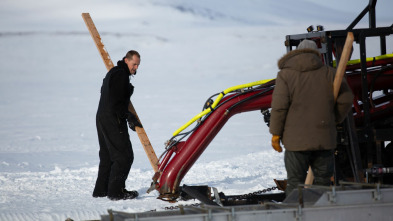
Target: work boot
96, 195
126, 195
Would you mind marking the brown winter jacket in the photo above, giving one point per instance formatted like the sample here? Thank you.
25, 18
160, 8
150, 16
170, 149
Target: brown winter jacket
303, 110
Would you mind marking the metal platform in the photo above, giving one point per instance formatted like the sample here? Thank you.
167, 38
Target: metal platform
354, 202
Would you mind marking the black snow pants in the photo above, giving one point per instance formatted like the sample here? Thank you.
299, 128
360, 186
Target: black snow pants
297, 163
116, 155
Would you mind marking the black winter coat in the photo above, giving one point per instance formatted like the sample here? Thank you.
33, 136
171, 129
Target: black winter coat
116, 91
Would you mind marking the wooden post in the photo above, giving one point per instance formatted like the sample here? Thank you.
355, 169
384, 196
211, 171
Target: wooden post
109, 65
336, 84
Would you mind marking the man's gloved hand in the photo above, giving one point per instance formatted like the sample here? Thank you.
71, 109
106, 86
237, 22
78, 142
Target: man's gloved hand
133, 122
276, 143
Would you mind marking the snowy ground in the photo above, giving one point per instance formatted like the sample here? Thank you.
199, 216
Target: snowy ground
51, 74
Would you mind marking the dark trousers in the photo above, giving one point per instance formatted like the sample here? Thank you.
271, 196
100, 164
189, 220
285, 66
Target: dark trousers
116, 155
297, 163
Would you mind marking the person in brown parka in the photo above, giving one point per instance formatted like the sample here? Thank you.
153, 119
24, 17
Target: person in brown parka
304, 114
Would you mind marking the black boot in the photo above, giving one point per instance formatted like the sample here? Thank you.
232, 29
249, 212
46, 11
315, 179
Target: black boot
126, 195
95, 195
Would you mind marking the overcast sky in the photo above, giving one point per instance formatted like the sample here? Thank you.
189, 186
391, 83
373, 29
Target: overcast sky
19, 15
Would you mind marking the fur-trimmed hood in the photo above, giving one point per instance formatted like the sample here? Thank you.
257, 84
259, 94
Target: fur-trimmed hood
301, 60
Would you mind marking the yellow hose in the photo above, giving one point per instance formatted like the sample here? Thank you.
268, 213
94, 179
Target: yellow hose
357, 61
218, 99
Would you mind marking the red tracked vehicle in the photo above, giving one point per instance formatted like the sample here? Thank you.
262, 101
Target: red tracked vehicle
361, 154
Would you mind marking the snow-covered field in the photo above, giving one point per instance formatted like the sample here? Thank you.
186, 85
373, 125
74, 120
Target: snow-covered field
51, 75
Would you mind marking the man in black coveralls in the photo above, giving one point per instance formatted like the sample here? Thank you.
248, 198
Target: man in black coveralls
116, 154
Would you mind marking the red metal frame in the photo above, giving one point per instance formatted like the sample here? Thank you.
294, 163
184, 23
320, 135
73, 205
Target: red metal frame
187, 152
180, 158
381, 106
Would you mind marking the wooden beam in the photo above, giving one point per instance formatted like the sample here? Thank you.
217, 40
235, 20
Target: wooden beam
97, 40
347, 50
337, 84
109, 65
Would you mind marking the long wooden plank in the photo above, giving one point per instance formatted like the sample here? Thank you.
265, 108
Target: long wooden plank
109, 65
343, 64
97, 40
337, 84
